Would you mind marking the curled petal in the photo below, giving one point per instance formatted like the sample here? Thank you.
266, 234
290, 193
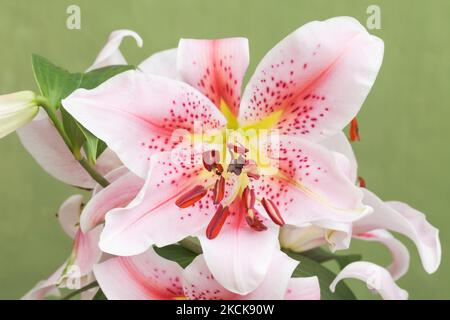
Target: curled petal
315, 80
376, 278
45, 288
216, 68
110, 54
142, 277
401, 218
116, 195
69, 214
399, 253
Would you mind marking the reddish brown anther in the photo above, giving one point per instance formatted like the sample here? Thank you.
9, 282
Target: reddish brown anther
216, 223
219, 190
354, 130
272, 211
362, 182
254, 222
192, 196
248, 196
210, 159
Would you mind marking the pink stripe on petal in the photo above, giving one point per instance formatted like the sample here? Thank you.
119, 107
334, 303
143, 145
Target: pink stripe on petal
215, 67
318, 77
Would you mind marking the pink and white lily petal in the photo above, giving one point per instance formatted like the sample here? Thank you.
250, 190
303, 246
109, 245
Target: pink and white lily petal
85, 251
110, 54
303, 289
69, 214
45, 288
340, 144
309, 187
215, 67
399, 253
132, 230
163, 63
150, 107
376, 278
239, 257
141, 277
43, 142
401, 218
116, 195
316, 79
200, 284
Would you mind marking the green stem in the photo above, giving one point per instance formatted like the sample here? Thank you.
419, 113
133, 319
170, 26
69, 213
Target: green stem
192, 244
76, 292
43, 102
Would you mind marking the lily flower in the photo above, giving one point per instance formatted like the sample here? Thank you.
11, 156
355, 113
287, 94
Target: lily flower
308, 87
149, 276
16, 110
391, 215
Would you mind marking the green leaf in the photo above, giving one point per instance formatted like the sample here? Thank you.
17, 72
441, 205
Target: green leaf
54, 82
177, 253
321, 255
309, 268
73, 131
99, 295
96, 77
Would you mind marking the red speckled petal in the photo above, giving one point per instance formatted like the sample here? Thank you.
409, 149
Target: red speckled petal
153, 217
118, 194
136, 115
215, 67
309, 186
143, 277
399, 253
318, 77
200, 284
239, 257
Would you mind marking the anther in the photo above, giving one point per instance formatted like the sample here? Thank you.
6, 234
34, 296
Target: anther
253, 221
216, 223
362, 182
248, 196
354, 130
219, 190
210, 159
272, 211
192, 196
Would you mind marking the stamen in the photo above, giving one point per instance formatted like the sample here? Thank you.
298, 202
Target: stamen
219, 190
216, 223
237, 148
272, 211
254, 222
362, 182
252, 175
191, 197
248, 196
210, 159
354, 130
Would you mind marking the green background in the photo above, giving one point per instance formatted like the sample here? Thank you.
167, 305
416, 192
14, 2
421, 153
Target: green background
404, 150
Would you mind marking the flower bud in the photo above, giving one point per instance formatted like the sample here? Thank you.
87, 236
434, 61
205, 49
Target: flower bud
16, 110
